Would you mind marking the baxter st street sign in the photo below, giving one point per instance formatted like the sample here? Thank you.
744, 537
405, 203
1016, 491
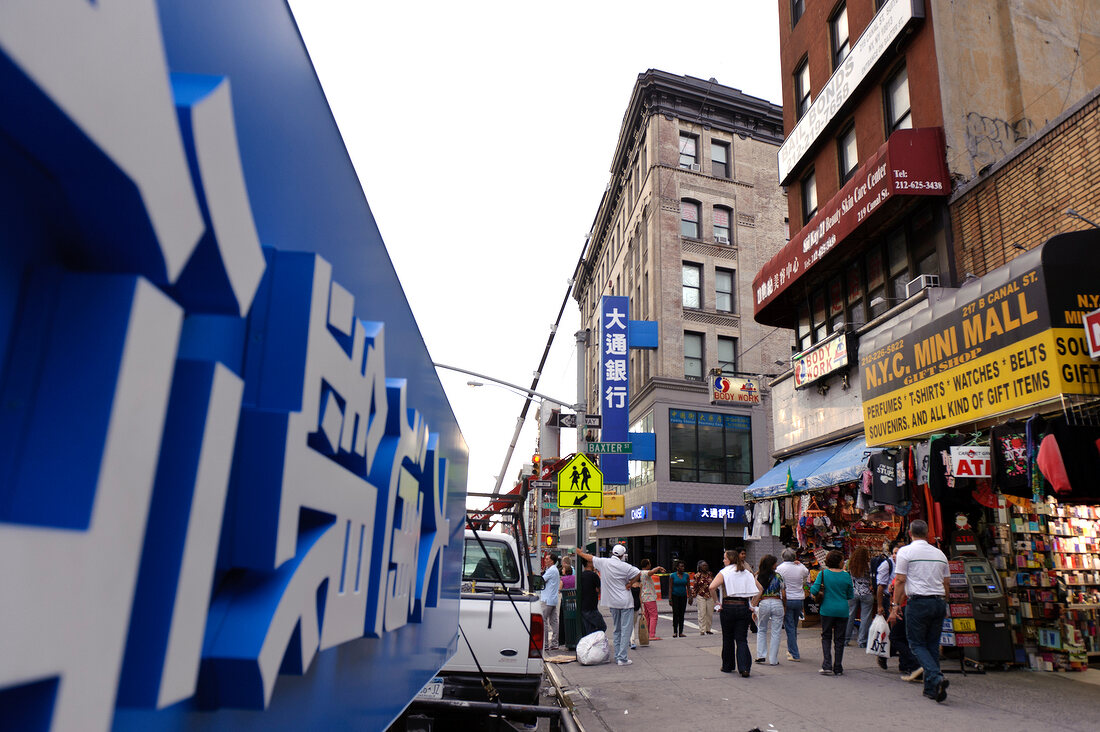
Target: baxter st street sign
608, 448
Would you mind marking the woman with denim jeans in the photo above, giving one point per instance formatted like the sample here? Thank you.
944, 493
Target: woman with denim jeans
837, 585
859, 566
770, 603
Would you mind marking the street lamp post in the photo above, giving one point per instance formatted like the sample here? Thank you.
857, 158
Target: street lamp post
519, 422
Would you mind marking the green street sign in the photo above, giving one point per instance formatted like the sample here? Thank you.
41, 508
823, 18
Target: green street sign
608, 448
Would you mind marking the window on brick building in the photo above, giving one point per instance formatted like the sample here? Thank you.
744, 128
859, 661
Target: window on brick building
721, 216
689, 151
692, 285
719, 159
802, 89
693, 356
689, 219
798, 7
808, 187
838, 29
898, 115
724, 292
727, 354
847, 155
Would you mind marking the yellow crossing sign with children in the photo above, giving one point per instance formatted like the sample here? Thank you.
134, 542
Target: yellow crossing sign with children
580, 484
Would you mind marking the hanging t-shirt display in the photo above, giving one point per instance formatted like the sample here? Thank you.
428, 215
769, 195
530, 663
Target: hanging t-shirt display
1010, 459
1069, 460
943, 484
885, 488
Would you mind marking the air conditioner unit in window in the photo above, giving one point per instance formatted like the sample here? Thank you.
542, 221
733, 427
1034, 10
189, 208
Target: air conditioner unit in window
722, 239
695, 167
919, 283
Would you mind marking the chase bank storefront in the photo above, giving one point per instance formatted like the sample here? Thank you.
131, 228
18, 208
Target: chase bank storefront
232, 482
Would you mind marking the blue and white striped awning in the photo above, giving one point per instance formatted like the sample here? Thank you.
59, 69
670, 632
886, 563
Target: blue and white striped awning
822, 467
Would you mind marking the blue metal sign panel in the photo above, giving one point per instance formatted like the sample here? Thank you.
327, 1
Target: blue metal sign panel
666, 511
233, 485
614, 384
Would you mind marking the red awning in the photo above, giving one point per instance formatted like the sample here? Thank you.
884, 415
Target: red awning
910, 163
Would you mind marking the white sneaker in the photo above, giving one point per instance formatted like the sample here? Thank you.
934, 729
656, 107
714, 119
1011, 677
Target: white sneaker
627, 662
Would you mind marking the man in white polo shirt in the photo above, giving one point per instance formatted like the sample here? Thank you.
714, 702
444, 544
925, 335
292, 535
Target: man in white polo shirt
615, 573
923, 576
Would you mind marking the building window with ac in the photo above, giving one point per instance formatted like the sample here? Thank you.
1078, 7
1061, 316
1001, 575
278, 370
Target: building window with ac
847, 154
727, 354
808, 187
898, 116
721, 217
693, 280
688, 151
719, 159
724, 292
897, 255
802, 89
706, 447
798, 7
838, 29
689, 219
693, 356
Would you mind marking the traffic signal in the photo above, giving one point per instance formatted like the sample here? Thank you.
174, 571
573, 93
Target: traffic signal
536, 461
550, 538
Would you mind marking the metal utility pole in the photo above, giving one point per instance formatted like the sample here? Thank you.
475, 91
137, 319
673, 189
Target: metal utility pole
581, 409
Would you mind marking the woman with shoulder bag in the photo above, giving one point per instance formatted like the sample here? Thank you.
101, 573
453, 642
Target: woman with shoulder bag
835, 586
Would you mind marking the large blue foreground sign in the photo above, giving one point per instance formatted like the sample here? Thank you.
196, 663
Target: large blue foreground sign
232, 490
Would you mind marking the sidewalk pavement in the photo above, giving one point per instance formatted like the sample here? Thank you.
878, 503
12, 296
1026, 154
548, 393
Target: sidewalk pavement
676, 683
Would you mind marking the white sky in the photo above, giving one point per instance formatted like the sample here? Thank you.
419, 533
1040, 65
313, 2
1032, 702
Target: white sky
483, 134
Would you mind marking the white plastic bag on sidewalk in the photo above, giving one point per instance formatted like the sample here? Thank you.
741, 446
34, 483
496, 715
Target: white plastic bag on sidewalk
878, 637
593, 649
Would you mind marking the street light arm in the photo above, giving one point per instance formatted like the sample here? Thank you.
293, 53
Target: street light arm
523, 389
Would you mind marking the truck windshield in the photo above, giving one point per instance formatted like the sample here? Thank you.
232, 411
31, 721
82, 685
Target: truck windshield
479, 566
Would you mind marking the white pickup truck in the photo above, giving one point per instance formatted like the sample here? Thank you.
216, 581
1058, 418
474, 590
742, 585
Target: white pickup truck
500, 625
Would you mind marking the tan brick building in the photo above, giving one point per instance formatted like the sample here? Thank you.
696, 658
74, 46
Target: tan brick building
692, 210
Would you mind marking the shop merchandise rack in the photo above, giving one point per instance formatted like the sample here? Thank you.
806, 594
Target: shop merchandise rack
1048, 556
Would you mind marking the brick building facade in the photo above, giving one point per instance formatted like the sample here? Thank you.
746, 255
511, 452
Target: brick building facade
692, 211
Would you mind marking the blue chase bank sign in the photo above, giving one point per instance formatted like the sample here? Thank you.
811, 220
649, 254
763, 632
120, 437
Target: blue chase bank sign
229, 476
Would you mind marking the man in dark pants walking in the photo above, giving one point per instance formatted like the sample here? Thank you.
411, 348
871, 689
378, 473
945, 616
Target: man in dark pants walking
924, 577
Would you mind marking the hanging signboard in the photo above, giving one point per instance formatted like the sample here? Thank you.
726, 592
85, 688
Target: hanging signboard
828, 357
614, 383
734, 389
971, 461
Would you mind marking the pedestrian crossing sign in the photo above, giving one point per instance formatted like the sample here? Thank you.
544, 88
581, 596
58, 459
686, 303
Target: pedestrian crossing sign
580, 484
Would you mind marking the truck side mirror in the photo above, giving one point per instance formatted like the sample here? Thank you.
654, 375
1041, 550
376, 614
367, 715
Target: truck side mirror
536, 582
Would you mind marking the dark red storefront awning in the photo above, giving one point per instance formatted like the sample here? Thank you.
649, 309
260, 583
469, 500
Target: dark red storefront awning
910, 163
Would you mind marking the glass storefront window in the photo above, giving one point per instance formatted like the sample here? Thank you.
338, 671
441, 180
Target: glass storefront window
707, 447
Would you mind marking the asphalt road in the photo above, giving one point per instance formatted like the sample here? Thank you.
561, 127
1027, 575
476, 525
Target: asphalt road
676, 684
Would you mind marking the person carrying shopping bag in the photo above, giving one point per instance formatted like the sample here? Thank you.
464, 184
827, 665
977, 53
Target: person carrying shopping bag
835, 587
